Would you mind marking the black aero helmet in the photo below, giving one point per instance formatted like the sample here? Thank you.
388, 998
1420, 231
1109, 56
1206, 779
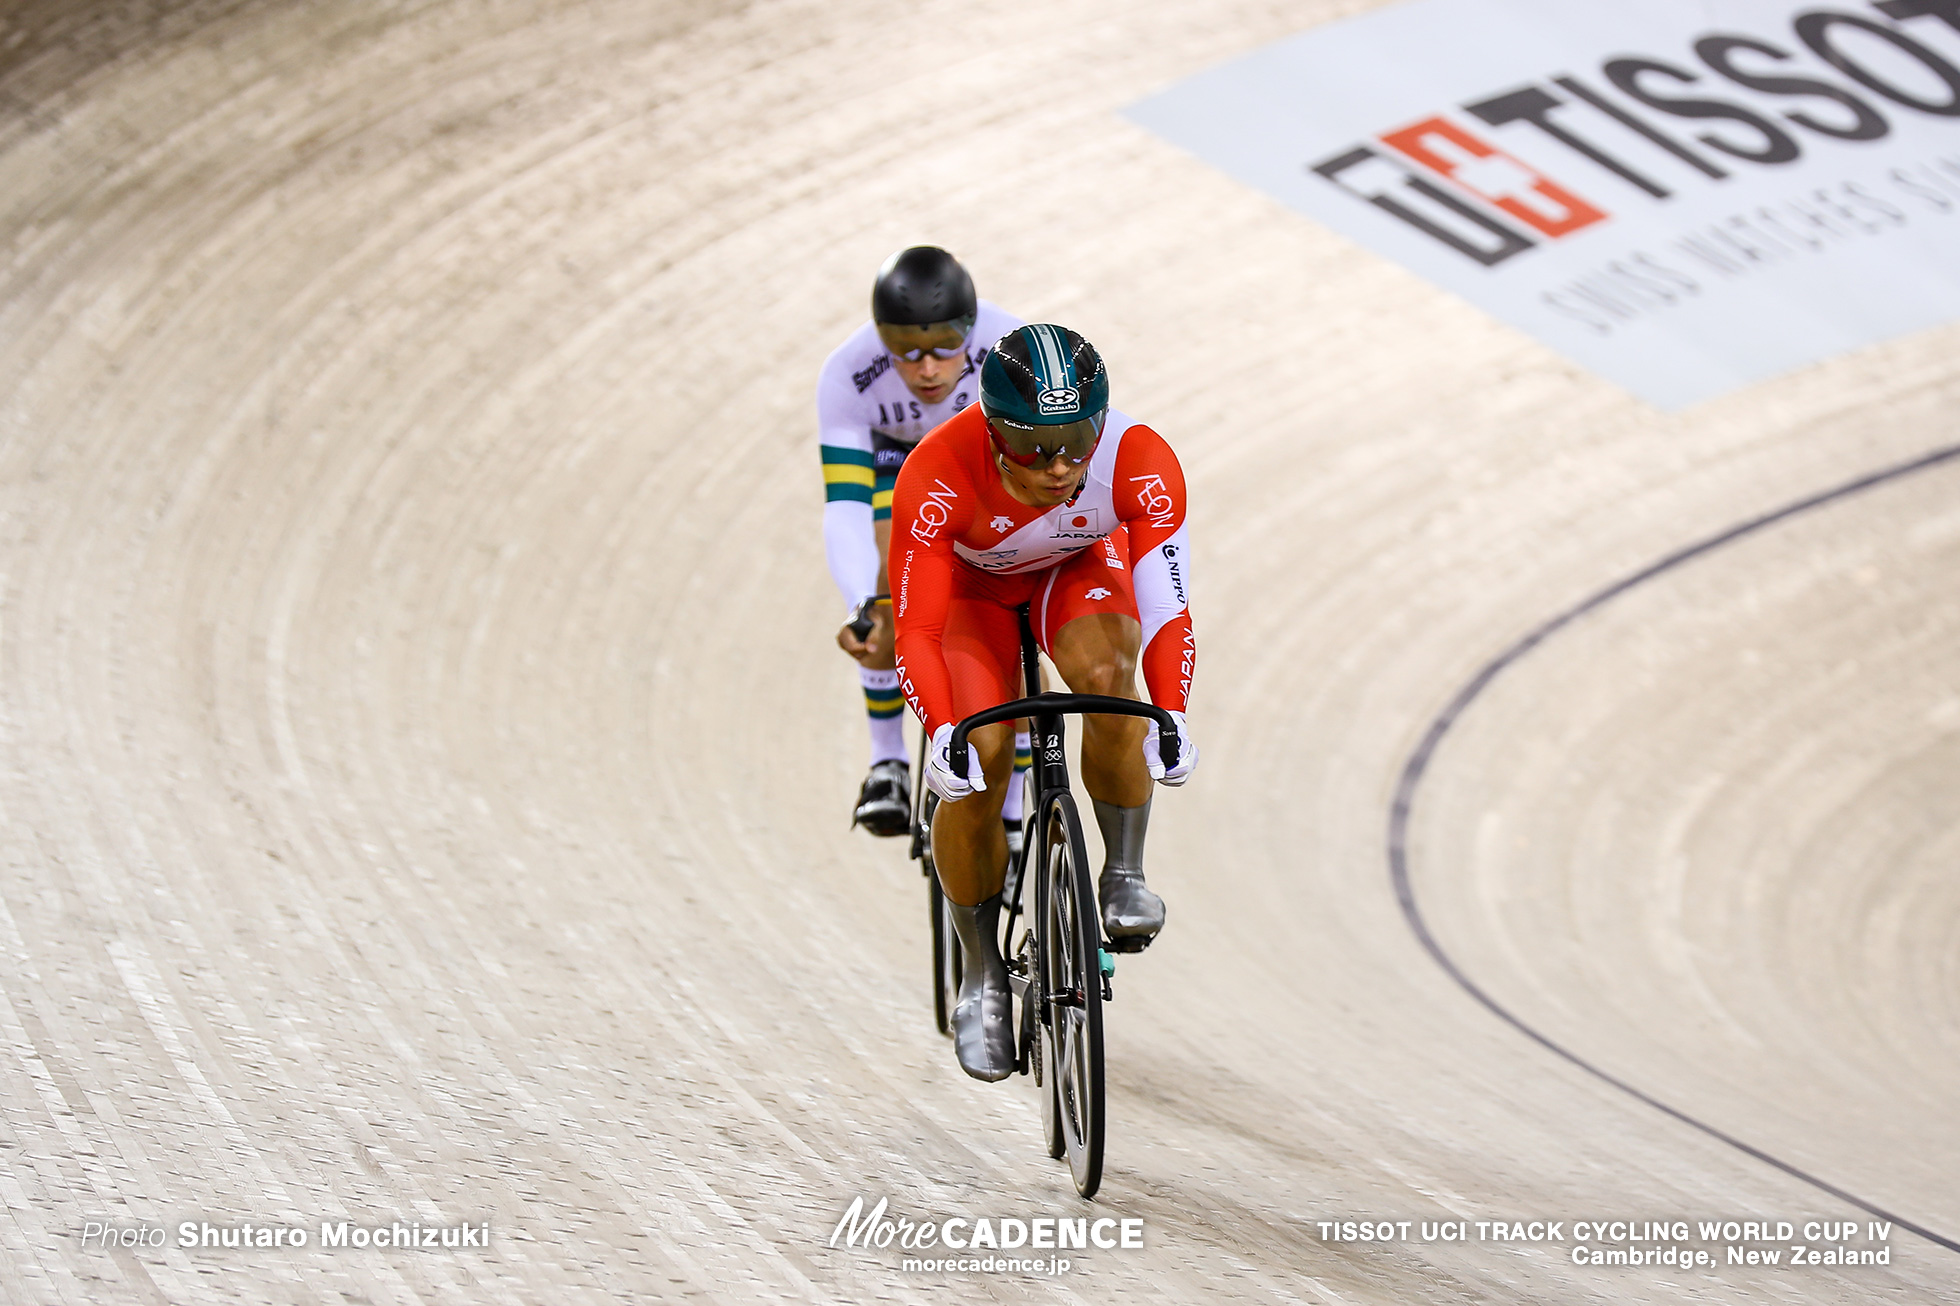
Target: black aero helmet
923, 286
1045, 393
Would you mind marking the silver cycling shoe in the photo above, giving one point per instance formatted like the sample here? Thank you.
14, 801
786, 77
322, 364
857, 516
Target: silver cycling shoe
1129, 909
1131, 913
983, 1019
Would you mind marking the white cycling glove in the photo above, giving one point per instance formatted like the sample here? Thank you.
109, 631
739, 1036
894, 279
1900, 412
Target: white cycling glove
1187, 752
939, 768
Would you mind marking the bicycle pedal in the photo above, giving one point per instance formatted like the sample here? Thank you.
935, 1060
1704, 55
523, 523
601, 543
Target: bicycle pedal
1130, 944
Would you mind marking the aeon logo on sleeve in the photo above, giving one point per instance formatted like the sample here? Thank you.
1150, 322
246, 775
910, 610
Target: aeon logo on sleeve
1155, 499
934, 512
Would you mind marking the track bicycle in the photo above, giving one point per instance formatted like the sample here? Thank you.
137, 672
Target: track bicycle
1059, 967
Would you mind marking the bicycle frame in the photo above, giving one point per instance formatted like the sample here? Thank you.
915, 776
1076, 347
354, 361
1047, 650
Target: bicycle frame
1045, 738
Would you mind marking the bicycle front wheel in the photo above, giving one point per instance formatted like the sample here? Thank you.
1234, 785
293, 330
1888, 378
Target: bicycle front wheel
946, 956
1071, 968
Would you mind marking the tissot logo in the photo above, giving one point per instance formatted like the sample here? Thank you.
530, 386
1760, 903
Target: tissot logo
1666, 123
1684, 195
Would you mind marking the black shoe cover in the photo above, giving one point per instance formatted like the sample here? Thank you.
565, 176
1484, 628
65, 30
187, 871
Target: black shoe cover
884, 805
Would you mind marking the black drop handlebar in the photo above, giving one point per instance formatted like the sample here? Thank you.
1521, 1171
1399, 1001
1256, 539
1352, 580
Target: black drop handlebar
1041, 704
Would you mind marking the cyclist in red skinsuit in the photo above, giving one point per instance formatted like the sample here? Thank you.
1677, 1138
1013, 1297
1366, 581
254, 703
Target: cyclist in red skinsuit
1079, 564
1043, 495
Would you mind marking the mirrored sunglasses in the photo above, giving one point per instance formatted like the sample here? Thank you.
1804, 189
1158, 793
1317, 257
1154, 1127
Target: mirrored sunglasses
1037, 446
963, 327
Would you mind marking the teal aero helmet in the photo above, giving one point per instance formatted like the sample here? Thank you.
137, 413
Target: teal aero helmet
1045, 394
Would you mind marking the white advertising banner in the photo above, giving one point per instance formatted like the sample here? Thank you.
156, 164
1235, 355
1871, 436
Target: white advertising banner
1684, 196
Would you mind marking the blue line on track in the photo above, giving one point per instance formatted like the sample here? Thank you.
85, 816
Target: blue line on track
1418, 764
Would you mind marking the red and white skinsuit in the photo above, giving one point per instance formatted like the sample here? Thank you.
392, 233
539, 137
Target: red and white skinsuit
965, 553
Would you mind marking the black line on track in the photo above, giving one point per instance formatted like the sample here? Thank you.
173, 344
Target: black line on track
1418, 765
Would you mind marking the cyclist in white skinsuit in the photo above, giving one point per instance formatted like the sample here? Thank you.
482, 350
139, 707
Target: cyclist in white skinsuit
914, 365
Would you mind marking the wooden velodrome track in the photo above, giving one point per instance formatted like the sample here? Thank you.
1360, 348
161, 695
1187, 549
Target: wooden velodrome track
426, 768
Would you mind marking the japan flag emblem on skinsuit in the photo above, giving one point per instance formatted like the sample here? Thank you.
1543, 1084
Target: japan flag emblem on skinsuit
1078, 524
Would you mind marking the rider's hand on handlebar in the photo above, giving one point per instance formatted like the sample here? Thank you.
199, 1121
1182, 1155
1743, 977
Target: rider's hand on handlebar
939, 768
869, 631
847, 639
1187, 753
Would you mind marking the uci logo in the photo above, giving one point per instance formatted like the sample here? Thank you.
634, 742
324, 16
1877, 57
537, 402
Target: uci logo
1062, 399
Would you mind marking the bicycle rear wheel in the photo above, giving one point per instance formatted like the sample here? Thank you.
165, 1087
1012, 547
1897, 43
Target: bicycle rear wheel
1070, 946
